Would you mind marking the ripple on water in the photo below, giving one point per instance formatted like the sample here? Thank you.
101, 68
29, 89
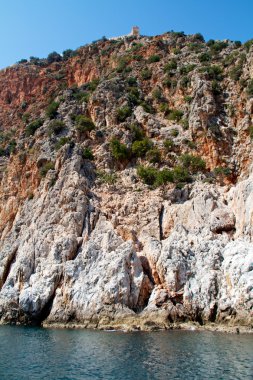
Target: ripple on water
34, 353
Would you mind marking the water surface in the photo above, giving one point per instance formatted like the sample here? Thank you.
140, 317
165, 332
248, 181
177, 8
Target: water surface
36, 353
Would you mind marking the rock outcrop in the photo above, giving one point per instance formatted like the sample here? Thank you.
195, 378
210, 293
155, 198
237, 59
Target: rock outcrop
87, 239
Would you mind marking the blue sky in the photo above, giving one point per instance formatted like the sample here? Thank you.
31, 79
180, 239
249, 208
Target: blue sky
38, 27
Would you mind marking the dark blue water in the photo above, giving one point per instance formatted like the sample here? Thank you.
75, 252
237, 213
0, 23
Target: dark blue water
34, 353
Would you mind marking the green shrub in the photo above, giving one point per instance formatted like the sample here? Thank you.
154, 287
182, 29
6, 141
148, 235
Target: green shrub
140, 148
157, 93
187, 69
185, 123
84, 124
213, 72
170, 66
119, 151
51, 110
180, 174
56, 127
248, 44
174, 132
175, 115
61, 142
87, 154
123, 113
221, 171
132, 81
199, 37
163, 177
193, 163
45, 168
205, 57
168, 145
92, 85
147, 107
105, 177
154, 155
154, 58
164, 107
217, 46
147, 174
54, 57
216, 88
68, 53
33, 126
236, 73
188, 99
250, 88
184, 82
137, 132
133, 96
146, 74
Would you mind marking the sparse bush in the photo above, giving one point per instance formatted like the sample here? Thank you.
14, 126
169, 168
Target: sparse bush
170, 66
69, 53
184, 82
146, 74
205, 57
168, 145
185, 123
147, 174
33, 126
199, 37
187, 69
174, 132
236, 73
154, 58
140, 148
84, 124
137, 132
154, 155
87, 154
51, 110
123, 113
105, 177
23, 61
147, 107
193, 163
216, 88
119, 151
175, 115
213, 72
180, 174
56, 127
54, 57
250, 88
157, 93
61, 142
220, 171
248, 44
45, 168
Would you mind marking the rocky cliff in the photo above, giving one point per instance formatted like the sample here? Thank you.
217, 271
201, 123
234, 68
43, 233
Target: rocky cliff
127, 185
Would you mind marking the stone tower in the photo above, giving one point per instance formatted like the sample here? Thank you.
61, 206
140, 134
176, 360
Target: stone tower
135, 31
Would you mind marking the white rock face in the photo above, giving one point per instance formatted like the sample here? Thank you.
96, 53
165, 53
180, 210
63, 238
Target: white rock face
76, 257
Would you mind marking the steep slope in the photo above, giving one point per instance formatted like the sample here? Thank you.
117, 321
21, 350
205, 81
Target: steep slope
126, 185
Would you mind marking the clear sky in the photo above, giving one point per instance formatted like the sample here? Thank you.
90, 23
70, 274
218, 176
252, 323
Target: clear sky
38, 27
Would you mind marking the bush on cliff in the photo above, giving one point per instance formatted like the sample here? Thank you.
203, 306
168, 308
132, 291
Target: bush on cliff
123, 113
84, 124
193, 163
33, 126
56, 127
45, 168
119, 151
140, 148
52, 109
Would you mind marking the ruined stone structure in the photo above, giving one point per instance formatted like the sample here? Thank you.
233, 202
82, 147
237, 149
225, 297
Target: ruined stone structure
135, 32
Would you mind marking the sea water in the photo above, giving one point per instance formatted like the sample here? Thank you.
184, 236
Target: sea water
37, 353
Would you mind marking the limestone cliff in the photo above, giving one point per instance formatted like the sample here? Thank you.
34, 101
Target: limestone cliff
127, 185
